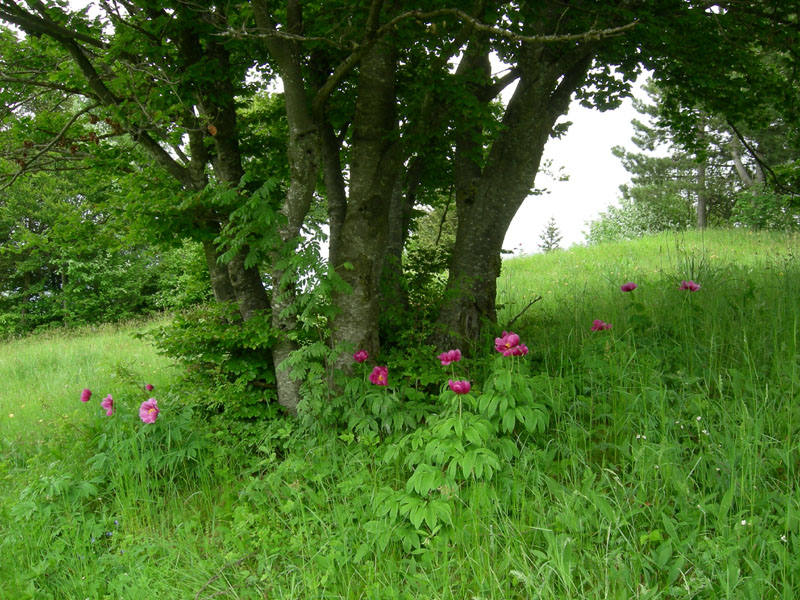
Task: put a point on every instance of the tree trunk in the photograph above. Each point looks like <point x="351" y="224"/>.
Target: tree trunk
<point x="220" y="281"/>
<point x="702" y="197"/>
<point x="487" y="197"/>
<point x="248" y="287"/>
<point x="303" y="155"/>
<point x="373" y="172"/>
<point x="393" y="294"/>
<point x="744" y="176"/>
<point x="334" y="189"/>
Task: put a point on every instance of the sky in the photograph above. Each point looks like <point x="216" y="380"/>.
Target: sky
<point x="595" y="175"/>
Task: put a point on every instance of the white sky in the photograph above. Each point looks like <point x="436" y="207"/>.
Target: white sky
<point x="594" y="177"/>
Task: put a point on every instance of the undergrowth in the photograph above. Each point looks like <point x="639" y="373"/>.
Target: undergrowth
<point x="657" y="458"/>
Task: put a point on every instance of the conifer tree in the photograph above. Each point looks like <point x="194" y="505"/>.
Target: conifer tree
<point x="551" y="236"/>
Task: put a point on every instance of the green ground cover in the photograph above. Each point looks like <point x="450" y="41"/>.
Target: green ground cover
<point x="666" y="467"/>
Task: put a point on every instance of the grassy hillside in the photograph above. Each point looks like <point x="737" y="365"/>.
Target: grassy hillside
<point x="668" y="467"/>
<point x="42" y="372"/>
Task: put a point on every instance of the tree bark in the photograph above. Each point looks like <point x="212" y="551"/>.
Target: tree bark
<point x="303" y="156"/>
<point x="373" y="171"/>
<point x="220" y="281"/>
<point x="744" y="176"/>
<point x="404" y="196"/>
<point x="487" y="198"/>
<point x="702" y="197"/>
<point x="334" y="189"/>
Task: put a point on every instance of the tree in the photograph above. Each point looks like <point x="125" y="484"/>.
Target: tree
<point x="551" y="236"/>
<point x="710" y="178"/>
<point x="65" y="258"/>
<point x="372" y="103"/>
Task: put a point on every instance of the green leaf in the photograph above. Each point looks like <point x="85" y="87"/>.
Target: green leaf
<point x="509" y="421"/>
<point x="468" y="463"/>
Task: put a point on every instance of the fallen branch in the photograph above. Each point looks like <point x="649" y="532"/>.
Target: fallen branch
<point x="522" y="312"/>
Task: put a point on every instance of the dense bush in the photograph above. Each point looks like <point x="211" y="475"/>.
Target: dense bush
<point x="227" y="363"/>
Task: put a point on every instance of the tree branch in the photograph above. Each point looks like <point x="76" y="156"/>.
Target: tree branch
<point x="11" y="12"/>
<point x="47" y="84"/>
<point x="49" y="145"/>
<point x="764" y="166"/>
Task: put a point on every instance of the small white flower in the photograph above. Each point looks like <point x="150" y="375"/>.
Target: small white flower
<point x="699" y="418"/>
<point x="656" y="467"/>
<point x="705" y="431"/>
<point x="783" y="538"/>
<point x="744" y="522"/>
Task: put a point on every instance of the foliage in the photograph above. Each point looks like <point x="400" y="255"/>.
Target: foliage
<point x="63" y="260"/>
<point x="764" y="209"/>
<point x="661" y="462"/>
<point x="550" y="237"/>
<point x="226" y="362"/>
<point x="700" y="178"/>
<point x="182" y="277"/>
<point x="632" y="219"/>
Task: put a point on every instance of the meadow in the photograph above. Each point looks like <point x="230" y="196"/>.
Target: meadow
<point x="659" y="458"/>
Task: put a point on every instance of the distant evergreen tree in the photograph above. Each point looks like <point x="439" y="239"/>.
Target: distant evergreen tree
<point x="713" y="174"/>
<point x="550" y="237"/>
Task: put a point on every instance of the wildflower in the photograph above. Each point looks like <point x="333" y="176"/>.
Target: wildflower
<point x="628" y="287"/>
<point x="86" y="394"/>
<point x="508" y="343"/>
<point x="148" y="411"/>
<point x="450" y="356"/>
<point x="598" y="325"/>
<point x="360" y="356"/>
<point x="149" y="387"/>
<point x="520" y="350"/>
<point x="689" y="286"/>
<point x="379" y="376"/>
<point x="108" y="404"/>
<point x="459" y="387"/>
<point x="744" y="522"/>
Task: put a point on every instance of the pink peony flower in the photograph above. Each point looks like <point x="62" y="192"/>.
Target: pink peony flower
<point x="148" y="411"/>
<point x="520" y="350"/>
<point x="689" y="286"/>
<point x="380" y="376"/>
<point x="86" y="394"/>
<point x="108" y="404"/>
<point x="149" y="387"/>
<point x="628" y="287"/>
<point x="450" y="356"/>
<point x="360" y="356"/>
<point x="506" y="342"/>
<point x="459" y="387"/>
<point x="598" y="325"/>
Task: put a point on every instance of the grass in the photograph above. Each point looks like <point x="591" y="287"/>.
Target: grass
<point x="669" y="467"/>
<point x="44" y="373"/>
